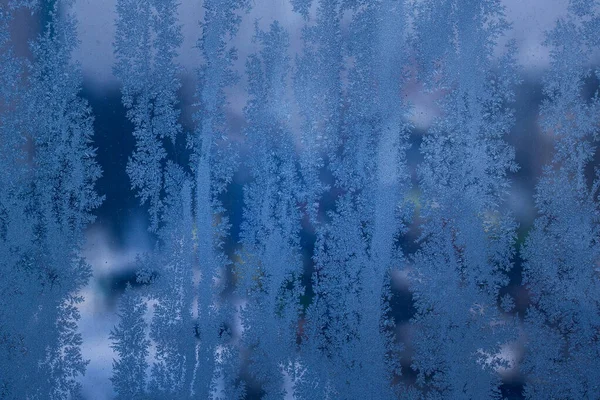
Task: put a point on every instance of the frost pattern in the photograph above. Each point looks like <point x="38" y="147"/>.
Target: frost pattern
<point x="562" y="250"/>
<point x="282" y="229"/>
<point x="467" y="240"/>
<point x="47" y="197"/>
<point x="270" y="264"/>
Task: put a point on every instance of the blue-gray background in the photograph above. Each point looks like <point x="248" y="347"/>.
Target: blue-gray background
<point x="120" y="231"/>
